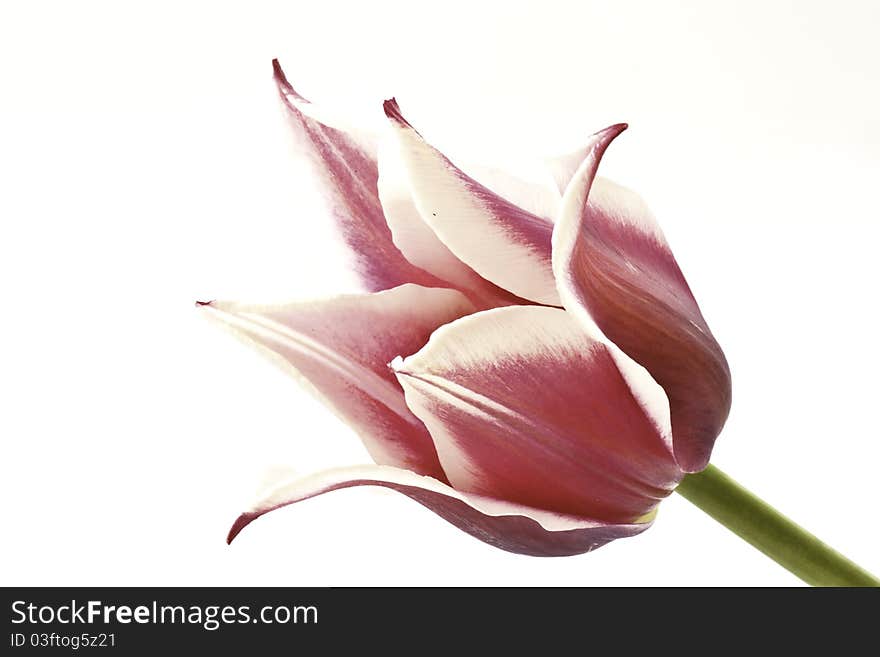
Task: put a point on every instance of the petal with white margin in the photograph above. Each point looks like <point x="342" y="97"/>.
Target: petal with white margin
<point x="340" y="349"/>
<point x="522" y="182"/>
<point x="416" y="239"/>
<point x="525" y="405"/>
<point x="344" y="164"/>
<point x="502" y="242"/>
<point x="614" y="268"/>
<point x="563" y="167"/>
<point x="504" y="525"/>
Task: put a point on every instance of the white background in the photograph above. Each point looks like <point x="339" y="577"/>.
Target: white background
<point x="144" y="163"/>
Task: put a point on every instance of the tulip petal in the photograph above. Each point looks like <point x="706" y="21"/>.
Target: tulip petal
<point x="563" y="167"/>
<point x="502" y="242"/>
<point x="340" y="348"/>
<point x="507" y="526"/>
<point x="344" y="162"/>
<point x="417" y="240"/>
<point x="524" y="405"/>
<point x="523" y="183"/>
<point x="614" y="268"/>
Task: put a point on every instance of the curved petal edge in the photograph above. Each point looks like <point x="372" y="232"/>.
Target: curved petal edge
<point x="416" y="239"/>
<point x="338" y="348"/>
<point x="502" y="242"/>
<point x="614" y="269"/>
<point x="513" y="394"/>
<point x="510" y="527"/>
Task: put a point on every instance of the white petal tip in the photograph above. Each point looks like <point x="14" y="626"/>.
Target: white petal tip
<point x="396" y="365"/>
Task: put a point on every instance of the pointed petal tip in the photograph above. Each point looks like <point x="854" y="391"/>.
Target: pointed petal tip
<point x="563" y="168"/>
<point x="580" y="179"/>
<point x="284" y="86"/>
<point x="200" y="304"/>
<point x="396" y="365"/>
<point x="240" y="523"/>
<point x="278" y="73"/>
<point x="392" y="111"/>
<point x="604" y="137"/>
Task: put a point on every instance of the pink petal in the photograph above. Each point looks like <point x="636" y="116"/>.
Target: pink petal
<point x="615" y="268"/>
<point x="502" y="242"/>
<point x="417" y="241"/>
<point x="511" y="527"/>
<point x="340" y="348"/>
<point x="524" y="405"/>
<point x="345" y="165"/>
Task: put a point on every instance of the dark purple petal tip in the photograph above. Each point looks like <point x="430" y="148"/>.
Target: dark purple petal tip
<point x="284" y="87"/>
<point x="392" y="111"/>
<point x="240" y="523"/>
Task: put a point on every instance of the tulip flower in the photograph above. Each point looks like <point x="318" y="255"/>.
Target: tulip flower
<point x="527" y="360"/>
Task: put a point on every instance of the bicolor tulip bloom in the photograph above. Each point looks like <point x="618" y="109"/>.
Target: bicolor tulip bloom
<point x="527" y="361"/>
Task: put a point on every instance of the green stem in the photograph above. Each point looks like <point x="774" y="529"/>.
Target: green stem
<point x="751" y="519"/>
